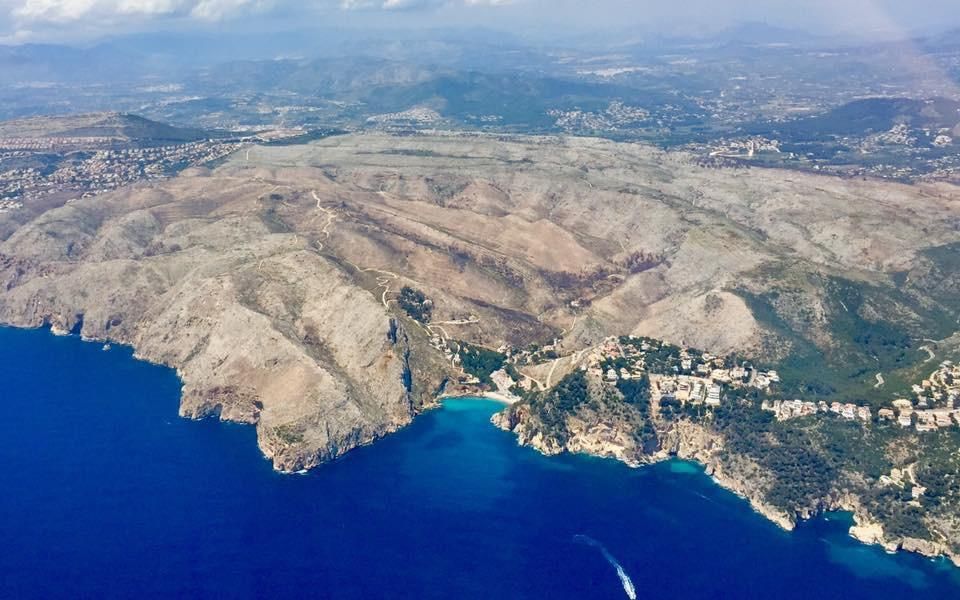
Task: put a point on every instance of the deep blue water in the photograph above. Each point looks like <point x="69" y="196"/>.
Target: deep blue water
<point x="105" y="492"/>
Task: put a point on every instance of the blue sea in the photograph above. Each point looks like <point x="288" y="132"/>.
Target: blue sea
<point x="106" y="493"/>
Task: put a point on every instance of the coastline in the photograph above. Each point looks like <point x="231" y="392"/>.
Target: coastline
<point x="354" y="439"/>
<point x="863" y="530"/>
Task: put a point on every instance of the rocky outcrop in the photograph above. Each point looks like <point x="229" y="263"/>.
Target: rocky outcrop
<point x="872" y="532"/>
<point x="600" y="439"/>
<point x="928" y="548"/>
<point x="518" y="420"/>
<point x="868" y="532"/>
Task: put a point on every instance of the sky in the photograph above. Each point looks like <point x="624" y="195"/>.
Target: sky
<point x="77" y="20"/>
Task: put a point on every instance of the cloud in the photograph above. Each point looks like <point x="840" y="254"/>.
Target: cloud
<point x="387" y="4"/>
<point x="66" y="20"/>
<point x="62" y="11"/>
<point x="416" y="4"/>
<point x="54" y="10"/>
<point x="216" y="10"/>
<point x="62" y="19"/>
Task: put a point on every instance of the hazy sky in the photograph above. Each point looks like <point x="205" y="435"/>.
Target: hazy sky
<point x="66" y="20"/>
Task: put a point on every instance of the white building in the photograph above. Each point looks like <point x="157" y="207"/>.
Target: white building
<point x="713" y="396"/>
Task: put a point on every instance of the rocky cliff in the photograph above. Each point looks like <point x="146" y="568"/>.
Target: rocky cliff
<point x="683" y="440"/>
<point x="261" y="327"/>
<point x="599" y="428"/>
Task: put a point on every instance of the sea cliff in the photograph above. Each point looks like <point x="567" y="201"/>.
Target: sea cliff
<point x="701" y="443"/>
<point x="260" y="327"/>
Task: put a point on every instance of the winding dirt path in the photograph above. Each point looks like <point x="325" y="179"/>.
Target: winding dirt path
<point x="443" y="332"/>
<point x="535" y="380"/>
<point x="331" y="217"/>
<point x="574" y="360"/>
<point x="382" y="282"/>
<point x="564" y="332"/>
<point x="438" y="325"/>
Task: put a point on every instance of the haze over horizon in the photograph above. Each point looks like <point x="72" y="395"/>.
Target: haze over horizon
<point x="71" y="21"/>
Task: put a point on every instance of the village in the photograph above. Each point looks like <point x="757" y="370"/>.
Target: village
<point x="791" y="409"/>
<point x="86" y="174"/>
<point x="690" y="377"/>
<point x="680" y="374"/>
<point x="935" y="405"/>
<point x="685" y="376"/>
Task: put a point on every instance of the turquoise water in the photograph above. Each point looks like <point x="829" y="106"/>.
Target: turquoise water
<point x="106" y="493"/>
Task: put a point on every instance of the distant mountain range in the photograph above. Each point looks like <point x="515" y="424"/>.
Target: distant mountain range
<point x="160" y="54"/>
<point x="143" y="57"/>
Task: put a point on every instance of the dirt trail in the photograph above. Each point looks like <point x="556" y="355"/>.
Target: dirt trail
<point x="443" y="332"/>
<point x="471" y="321"/>
<point x="331" y="216"/>
<point x="572" y="327"/>
<point x="438" y="325"/>
<point x="382" y="282"/>
<point x="573" y="359"/>
<point x="553" y="368"/>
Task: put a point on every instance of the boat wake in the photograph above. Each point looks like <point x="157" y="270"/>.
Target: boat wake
<point x="624" y="578"/>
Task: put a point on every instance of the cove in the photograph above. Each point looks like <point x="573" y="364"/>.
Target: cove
<point x="106" y="493"/>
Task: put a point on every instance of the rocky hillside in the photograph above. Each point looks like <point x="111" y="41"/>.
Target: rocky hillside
<point x="261" y="327"/>
<point x="272" y="282"/>
<point x="592" y="238"/>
